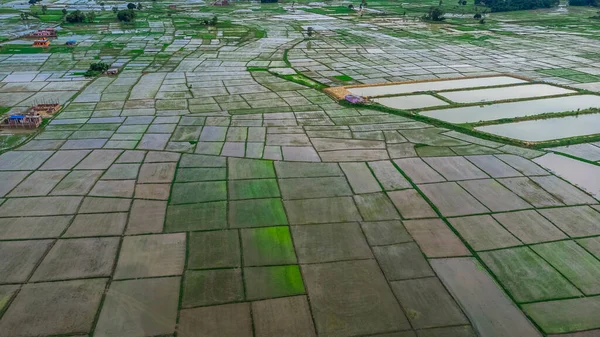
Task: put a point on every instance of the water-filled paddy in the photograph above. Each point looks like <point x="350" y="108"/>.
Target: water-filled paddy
<point x="514" y="109"/>
<point x="410" y="102"/>
<point x="547" y="129"/>
<point x="574" y="171"/>
<point x="399" y="89"/>
<point x="499" y="94"/>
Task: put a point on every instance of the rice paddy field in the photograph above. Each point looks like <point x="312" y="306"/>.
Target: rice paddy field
<point x="219" y="184"/>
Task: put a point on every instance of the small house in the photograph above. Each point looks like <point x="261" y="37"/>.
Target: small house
<point x="112" y="71"/>
<point x="22" y="121"/>
<point x="41" y="43"/>
<point x="171" y="6"/>
<point x="44" y="33"/>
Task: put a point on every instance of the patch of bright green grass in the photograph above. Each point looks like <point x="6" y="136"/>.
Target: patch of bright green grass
<point x="301" y="79"/>
<point x="10" y="141"/>
<point x="343" y="78"/>
<point x="584" y="78"/>
<point x="259" y="34"/>
<point x="26" y="49"/>
<point x="560" y="72"/>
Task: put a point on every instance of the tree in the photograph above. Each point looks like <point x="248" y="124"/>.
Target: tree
<point x="130" y="6"/>
<point x="435" y="14"/>
<point x="139" y="6"/>
<point x="75" y="17"/>
<point x="90" y="16"/>
<point x="115" y="10"/>
<point x="64" y="11"/>
<point x="32" y="2"/>
<point x="99" y="66"/>
<point x="214" y="21"/>
<point x="126" y="15"/>
<point x="96" y="69"/>
<point x="44" y="9"/>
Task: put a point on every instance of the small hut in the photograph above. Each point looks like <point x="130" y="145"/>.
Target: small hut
<point x="71" y="43"/>
<point x="112" y="71"/>
<point x="44" y="42"/>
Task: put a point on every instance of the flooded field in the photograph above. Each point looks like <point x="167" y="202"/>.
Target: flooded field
<point x="505" y="93"/>
<point x="397" y="89"/>
<point x="410" y="102"/>
<point x="497" y="111"/>
<point x="547" y="129"/>
<point x="203" y="178"/>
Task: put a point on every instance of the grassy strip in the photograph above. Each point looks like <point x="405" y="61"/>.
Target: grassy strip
<point x="303" y="80"/>
<point x="285" y="57"/>
<point x="296" y="78"/>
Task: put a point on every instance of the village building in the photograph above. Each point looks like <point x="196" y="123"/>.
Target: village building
<point x="30" y="121"/>
<point x="112" y="71"/>
<point x="41" y="43"/>
<point x="45" y="110"/>
<point x="44" y="33"/>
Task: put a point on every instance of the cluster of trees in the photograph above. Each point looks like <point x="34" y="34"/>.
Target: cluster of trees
<point x="96" y="69"/>
<point x="126" y="15"/>
<point x="435" y="14"/>
<point x="79" y="17"/>
<point x="516" y="5"/>
<point x="584" y="3"/>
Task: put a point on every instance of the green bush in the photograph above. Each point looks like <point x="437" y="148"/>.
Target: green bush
<point x="126" y="15"/>
<point x="96" y="69"/>
<point x="75" y="17"/>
